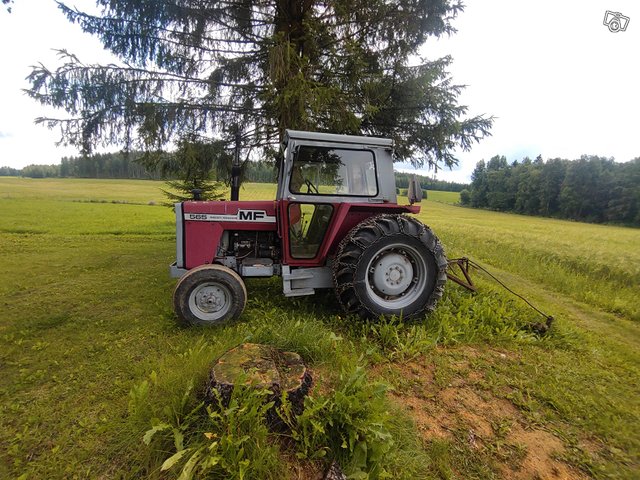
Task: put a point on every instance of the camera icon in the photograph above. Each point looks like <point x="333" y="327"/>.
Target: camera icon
<point x="615" y="21"/>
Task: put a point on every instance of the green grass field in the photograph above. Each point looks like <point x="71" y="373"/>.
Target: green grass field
<point x="91" y="357"/>
<point x="451" y="198"/>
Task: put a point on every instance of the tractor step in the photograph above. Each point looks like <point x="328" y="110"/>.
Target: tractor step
<point x="304" y="281"/>
<point x="298" y="292"/>
<point x="257" y="267"/>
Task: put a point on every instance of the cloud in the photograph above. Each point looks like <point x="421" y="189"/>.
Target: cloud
<point x="5" y="134"/>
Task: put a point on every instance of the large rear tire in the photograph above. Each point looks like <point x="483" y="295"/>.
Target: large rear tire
<point x="209" y="295"/>
<point x="390" y="265"/>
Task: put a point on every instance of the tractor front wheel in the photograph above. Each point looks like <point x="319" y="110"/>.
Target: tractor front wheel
<point x="209" y="295"/>
<point x="390" y="265"/>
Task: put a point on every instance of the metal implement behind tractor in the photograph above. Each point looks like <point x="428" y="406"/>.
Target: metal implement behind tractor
<point x="335" y="223"/>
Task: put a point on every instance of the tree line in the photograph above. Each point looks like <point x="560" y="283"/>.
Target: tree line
<point x="132" y="166"/>
<point x="592" y="189"/>
<point x="129" y="166"/>
<point x="99" y="165"/>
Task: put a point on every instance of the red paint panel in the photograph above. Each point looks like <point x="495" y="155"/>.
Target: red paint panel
<point x="202" y="237"/>
<point x="226" y="207"/>
<point x="201" y="242"/>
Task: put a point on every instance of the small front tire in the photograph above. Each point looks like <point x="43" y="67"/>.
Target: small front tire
<point x="209" y="295"/>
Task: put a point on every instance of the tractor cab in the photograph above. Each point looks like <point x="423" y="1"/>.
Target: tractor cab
<point x="325" y="177"/>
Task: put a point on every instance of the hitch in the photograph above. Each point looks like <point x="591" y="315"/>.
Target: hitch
<point x="463" y="267"/>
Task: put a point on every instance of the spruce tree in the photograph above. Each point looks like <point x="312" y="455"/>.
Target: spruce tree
<point x="206" y="67"/>
<point x="194" y="167"/>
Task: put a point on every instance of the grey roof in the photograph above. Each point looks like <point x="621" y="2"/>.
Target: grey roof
<point x="332" y="137"/>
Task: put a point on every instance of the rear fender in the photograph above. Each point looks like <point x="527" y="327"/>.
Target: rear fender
<point x="350" y="215"/>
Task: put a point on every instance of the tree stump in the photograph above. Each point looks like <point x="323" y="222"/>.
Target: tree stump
<point x="261" y="366"/>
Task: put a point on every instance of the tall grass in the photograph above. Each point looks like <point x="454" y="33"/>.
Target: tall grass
<point x="595" y="264"/>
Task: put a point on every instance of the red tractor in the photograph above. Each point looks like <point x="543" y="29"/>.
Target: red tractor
<point x="335" y="223"/>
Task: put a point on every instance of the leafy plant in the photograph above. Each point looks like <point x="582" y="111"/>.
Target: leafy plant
<point x="226" y="442"/>
<point x="349" y="425"/>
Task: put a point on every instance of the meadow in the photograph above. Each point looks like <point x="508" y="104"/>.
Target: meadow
<point x="97" y="380"/>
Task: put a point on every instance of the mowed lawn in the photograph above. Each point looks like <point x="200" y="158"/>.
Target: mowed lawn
<point x="87" y="323"/>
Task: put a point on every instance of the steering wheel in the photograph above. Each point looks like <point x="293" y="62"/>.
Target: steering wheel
<point x="310" y="186"/>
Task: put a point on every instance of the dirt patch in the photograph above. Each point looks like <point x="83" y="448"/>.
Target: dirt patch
<point x="468" y="415"/>
<point x="539" y="462"/>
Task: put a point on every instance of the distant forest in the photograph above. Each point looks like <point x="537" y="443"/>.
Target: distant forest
<point x="99" y="165"/>
<point x="120" y="165"/>
<point x="591" y="189"/>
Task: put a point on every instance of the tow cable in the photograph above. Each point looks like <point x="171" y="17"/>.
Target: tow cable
<point x="465" y="281"/>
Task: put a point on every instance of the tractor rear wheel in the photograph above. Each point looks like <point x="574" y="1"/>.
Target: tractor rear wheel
<point x="390" y="265"/>
<point x="209" y="295"/>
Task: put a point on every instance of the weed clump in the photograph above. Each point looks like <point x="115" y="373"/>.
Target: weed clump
<point x="349" y="425"/>
<point x="346" y="420"/>
<point x="218" y="441"/>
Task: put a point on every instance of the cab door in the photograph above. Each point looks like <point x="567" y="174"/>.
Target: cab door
<point x="318" y="180"/>
<point x="303" y="230"/>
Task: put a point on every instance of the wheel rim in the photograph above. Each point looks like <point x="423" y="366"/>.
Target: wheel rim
<point x="396" y="276"/>
<point x="210" y="301"/>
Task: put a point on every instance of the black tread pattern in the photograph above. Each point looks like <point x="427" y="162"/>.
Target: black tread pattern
<point x="360" y="238"/>
<point x="205" y="273"/>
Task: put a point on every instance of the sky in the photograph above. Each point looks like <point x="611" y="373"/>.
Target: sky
<point x="557" y="81"/>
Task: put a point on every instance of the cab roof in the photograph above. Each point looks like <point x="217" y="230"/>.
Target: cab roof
<point x="335" y="138"/>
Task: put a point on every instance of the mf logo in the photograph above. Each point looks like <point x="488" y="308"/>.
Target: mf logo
<point x="251" y="215"/>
